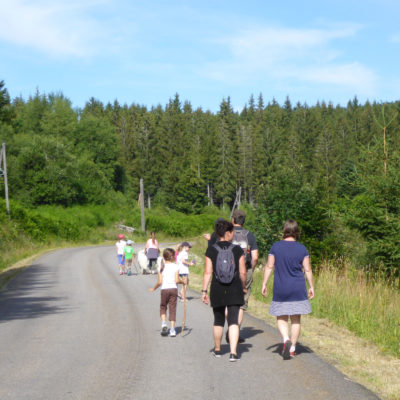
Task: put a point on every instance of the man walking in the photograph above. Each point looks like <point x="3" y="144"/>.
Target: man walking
<point x="247" y="241"/>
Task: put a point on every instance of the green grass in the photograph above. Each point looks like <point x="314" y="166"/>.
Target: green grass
<point x="367" y="306"/>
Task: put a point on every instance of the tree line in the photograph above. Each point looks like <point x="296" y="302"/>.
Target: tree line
<point x="334" y="168"/>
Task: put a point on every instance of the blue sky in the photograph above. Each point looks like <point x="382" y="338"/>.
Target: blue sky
<point x="144" y="52"/>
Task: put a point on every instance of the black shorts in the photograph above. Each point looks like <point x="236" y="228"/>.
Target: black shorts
<point x="233" y="315"/>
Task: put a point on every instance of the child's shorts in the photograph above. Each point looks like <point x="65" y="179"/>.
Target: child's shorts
<point x="120" y="261"/>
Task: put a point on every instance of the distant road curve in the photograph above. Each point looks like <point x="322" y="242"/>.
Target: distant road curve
<point x="72" y="328"/>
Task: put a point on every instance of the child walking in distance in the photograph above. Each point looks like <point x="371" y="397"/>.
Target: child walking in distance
<point x="120" y="246"/>
<point x="184" y="264"/>
<point x="129" y="256"/>
<point x="168" y="279"/>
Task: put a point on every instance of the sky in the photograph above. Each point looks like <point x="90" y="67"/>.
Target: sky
<point x="144" y="52"/>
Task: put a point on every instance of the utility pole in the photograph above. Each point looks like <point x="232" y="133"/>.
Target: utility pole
<point x="142" y="205"/>
<point x="3" y="172"/>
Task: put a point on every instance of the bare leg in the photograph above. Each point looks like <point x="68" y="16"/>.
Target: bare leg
<point x="163" y="317"/>
<point x="283" y="326"/>
<point x="172" y="324"/>
<point x="218" y="331"/>
<point x="233" y="338"/>
<point x="295" y="328"/>
<point x="241" y="313"/>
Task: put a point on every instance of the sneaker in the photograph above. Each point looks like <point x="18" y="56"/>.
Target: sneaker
<point x="293" y="354"/>
<point x="286" y="350"/>
<point x="164" y="330"/>
<point x="216" y="353"/>
<point x="233" y="358"/>
<point x="120" y="272"/>
<point x="172" y="332"/>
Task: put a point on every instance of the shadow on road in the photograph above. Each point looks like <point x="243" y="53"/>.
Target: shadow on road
<point x="278" y="348"/>
<point x="248" y="332"/>
<point x="20" y="299"/>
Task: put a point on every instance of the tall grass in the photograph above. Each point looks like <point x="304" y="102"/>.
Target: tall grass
<point x="366" y="304"/>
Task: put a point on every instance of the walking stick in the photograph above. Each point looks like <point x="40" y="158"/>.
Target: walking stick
<point x="184" y="307"/>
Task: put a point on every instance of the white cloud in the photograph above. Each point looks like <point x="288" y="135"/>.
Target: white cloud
<point x="55" y="28"/>
<point x="304" y="55"/>
<point x="395" y="38"/>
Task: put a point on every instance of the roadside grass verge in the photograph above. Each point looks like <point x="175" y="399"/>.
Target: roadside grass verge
<point x="355" y="323"/>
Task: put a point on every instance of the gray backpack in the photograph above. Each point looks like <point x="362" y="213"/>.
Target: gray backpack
<point x="225" y="264"/>
<point x="240" y="238"/>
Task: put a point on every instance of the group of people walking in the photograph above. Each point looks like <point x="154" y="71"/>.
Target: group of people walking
<point x="229" y="295"/>
<point x="230" y="260"/>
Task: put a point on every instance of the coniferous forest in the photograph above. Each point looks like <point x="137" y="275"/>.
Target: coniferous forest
<point x="336" y="169"/>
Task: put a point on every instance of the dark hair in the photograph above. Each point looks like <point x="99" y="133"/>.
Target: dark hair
<point x="291" y="229"/>
<point x="239" y="217"/>
<point x="168" y="255"/>
<point x="221" y="227"/>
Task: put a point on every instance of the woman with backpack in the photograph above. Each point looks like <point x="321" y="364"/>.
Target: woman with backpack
<point x="225" y="267"/>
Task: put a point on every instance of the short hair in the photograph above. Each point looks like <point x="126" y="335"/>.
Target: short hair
<point x="291" y="229"/>
<point x="221" y="227"/>
<point x="239" y="217"/>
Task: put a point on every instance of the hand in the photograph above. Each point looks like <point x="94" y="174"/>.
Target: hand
<point x="264" y="290"/>
<point x="244" y="290"/>
<point x="151" y="290"/>
<point x="311" y="293"/>
<point x="207" y="236"/>
<point x="204" y="298"/>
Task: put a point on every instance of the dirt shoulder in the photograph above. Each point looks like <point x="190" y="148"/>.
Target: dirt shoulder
<point x="358" y="359"/>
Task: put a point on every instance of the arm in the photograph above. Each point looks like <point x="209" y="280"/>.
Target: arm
<point x="309" y="276"/>
<point x="207" y="236"/>
<point x="254" y="259"/>
<point x="269" y="267"/>
<point x="206" y="279"/>
<point x="178" y="280"/>
<point x="158" y="284"/>
<point x="187" y="263"/>
<point x="242" y="272"/>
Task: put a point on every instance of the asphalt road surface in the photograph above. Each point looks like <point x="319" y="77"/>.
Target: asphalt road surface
<point x="72" y="328"/>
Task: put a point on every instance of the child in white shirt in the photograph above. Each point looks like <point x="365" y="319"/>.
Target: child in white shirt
<point x="168" y="279"/>
<point x="184" y="264"/>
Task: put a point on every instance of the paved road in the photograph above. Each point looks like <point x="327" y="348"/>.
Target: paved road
<point x="72" y="328"/>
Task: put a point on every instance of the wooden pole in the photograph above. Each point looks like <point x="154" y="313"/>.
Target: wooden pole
<point x="184" y="307"/>
<point x="142" y="205"/>
<point x="3" y="157"/>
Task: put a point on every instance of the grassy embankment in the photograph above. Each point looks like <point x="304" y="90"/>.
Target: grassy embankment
<point x="354" y="324"/>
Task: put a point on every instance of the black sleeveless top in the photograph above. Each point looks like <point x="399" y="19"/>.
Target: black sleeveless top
<point x="226" y="295"/>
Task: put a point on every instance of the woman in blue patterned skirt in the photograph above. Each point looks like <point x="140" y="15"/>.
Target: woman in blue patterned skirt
<point x="289" y="258"/>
